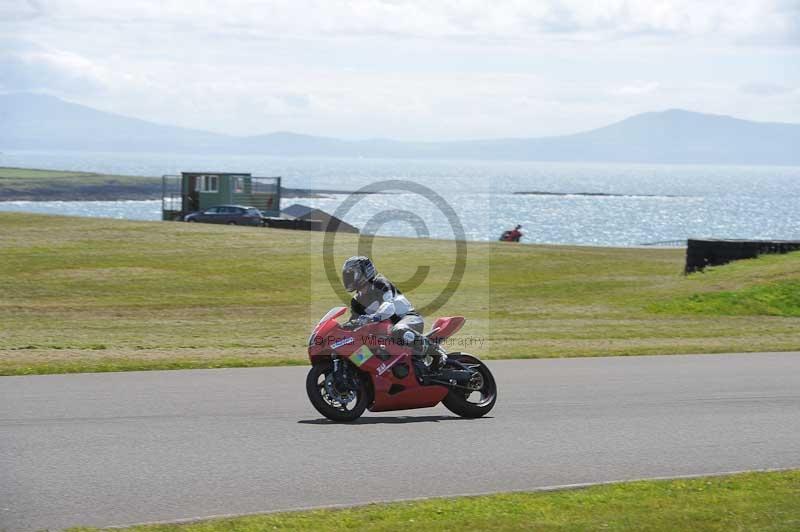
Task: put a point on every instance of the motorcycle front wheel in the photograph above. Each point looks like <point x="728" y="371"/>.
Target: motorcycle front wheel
<point x="478" y="401"/>
<point x="340" y="406"/>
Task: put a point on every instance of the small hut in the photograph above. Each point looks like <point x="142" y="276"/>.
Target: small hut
<point x="195" y="191"/>
<point x="303" y="212"/>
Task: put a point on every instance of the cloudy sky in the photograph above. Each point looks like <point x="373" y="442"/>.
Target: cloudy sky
<point x="416" y="69"/>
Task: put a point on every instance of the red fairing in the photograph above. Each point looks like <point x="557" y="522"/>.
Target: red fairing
<point x="323" y="329"/>
<point x="447" y="327"/>
<point x="372" y="350"/>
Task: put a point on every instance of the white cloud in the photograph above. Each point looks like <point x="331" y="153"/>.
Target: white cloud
<point x="637" y="88"/>
<point x="27" y="66"/>
<point x="766" y="89"/>
<point x="11" y="11"/>
<point x="768" y="20"/>
<point x="413" y="69"/>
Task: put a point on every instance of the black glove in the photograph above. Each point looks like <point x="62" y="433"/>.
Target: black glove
<point x="360" y="321"/>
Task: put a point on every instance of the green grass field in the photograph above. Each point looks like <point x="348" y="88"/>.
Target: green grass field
<point x="752" y="501"/>
<point x="32" y="184"/>
<point x="80" y="294"/>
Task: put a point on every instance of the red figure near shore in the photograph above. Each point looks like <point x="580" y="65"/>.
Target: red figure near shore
<point x="512" y="236"/>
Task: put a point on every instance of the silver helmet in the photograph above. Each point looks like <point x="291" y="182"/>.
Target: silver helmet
<point x="357" y="272"/>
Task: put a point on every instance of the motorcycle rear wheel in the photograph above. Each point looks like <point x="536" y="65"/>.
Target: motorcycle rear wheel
<point x="328" y="406"/>
<point x="472" y="404"/>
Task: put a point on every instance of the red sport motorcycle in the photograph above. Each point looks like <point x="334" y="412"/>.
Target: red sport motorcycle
<point x="354" y="368"/>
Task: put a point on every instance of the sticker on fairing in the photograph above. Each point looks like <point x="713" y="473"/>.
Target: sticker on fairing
<point x="361" y="356"/>
<point x="344" y="341"/>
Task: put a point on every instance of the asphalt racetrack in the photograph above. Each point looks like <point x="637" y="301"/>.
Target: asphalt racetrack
<point x="122" y="448"/>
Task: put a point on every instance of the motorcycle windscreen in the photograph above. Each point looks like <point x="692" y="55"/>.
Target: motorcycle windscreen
<point x="333" y="313"/>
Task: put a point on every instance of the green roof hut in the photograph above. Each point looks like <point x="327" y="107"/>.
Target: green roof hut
<point x="195" y="191"/>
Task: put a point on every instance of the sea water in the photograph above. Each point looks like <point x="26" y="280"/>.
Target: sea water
<point x="641" y="204"/>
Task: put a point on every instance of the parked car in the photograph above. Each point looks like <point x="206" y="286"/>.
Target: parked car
<point x="227" y="214"/>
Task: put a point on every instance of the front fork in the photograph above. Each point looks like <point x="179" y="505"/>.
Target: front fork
<point x="343" y="375"/>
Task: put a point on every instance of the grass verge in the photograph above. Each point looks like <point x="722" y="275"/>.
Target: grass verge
<point x="776" y="299"/>
<point x="750" y="501"/>
<point x="81" y="294"/>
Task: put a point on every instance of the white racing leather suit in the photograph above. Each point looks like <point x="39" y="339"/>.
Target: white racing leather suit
<point x="381" y="300"/>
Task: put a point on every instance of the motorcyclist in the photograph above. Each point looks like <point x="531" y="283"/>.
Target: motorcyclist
<point x="377" y="299"/>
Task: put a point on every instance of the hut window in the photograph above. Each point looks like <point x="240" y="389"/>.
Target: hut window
<point x="238" y="186"/>
<point x="210" y="183"/>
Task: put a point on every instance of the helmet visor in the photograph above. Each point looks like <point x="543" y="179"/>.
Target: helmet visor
<point x="349" y="278"/>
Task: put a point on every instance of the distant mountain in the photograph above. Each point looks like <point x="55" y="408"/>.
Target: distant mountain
<point x="33" y="121"/>
<point x="677" y="136"/>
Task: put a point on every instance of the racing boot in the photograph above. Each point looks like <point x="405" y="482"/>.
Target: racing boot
<point x="427" y="355"/>
<point x="419" y="345"/>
